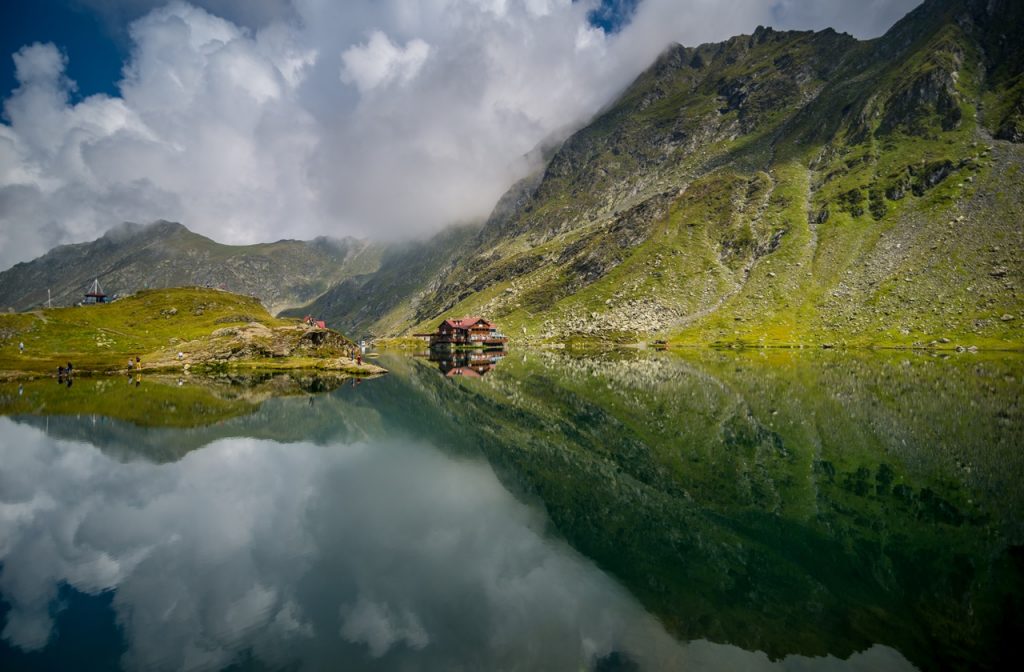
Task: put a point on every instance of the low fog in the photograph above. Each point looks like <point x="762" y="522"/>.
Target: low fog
<point x="255" y="121"/>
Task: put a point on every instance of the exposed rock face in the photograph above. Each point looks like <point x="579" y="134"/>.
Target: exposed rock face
<point x="258" y="341"/>
<point x="130" y="258"/>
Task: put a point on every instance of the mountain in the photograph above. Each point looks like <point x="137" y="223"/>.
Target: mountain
<point x="779" y="188"/>
<point x="384" y="301"/>
<point x="133" y="257"/>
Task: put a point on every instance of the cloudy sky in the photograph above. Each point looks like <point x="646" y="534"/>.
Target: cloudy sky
<point x="255" y="120"/>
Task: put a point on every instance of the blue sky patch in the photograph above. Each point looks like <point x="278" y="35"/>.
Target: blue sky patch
<point x="612" y="15"/>
<point x="95" y="59"/>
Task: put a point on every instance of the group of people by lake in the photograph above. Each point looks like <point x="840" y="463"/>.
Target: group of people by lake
<point x="64" y="374"/>
<point x="136" y="366"/>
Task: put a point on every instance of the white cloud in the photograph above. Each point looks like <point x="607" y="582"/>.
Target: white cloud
<point x="380" y="62"/>
<point x="372" y="118"/>
<point x="379" y="627"/>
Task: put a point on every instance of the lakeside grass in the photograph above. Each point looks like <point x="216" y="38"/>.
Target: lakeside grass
<point x="154" y="325"/>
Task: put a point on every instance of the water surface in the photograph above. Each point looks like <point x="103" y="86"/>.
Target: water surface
<point x="767" y="510"/>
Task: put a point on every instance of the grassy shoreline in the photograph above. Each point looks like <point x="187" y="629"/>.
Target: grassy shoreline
<point x="401" y="344"/>
<point x="170" y="331"/>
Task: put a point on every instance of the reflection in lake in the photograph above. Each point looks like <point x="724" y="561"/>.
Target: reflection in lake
<point x="621" y="511"/>
<point x="377" y="552"/>
<point x="466" y="363"/>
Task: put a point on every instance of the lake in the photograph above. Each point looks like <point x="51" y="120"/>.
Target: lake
<point x="629" y="510"/>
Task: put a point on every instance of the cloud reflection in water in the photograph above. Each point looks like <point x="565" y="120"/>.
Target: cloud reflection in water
<point x="383" y="555"/>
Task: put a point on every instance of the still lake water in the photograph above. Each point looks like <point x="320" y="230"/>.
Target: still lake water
<point x="629" y="511"/>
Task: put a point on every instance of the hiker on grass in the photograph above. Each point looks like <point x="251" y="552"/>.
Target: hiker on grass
<point x="131" y="364"/>
<point x="21" y="348"/>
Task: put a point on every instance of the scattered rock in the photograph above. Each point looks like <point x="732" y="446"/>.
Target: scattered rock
<point x="1007" y="318"/>
<point x="231" y="319"/>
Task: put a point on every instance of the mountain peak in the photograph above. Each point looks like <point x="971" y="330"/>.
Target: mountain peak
<point x="127" y="230"/>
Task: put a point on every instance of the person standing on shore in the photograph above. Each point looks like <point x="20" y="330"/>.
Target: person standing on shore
<point x="21" y="348"/>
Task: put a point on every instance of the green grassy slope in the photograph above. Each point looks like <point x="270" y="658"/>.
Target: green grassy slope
<point x="788" y="188"/>
<point x="210" y="327"/>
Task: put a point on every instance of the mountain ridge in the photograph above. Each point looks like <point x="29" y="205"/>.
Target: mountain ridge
<point x="132" y="257"/>
<point x="779" y="188"/>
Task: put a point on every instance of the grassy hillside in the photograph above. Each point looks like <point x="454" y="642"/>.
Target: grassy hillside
<point x="211" y="328"/>
<point x="782" y="188"/>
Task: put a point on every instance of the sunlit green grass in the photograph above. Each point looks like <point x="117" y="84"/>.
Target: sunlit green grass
<point x="101" y="337"/>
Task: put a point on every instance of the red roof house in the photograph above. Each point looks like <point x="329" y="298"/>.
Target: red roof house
<point x="469" y="331"/>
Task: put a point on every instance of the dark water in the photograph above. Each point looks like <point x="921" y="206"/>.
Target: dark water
<point x="626" y="511"/>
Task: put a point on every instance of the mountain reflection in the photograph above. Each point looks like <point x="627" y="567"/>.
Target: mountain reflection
<point x="385" y="555"/>
<point x="817" y="507"/>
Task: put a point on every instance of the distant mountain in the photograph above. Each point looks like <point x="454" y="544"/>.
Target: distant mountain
<point x="389" y="299"/>
<point x="775" y="188"/>
<point x="133" y="257"/>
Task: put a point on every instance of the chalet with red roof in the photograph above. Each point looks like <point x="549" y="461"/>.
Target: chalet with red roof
<point x="469" y="332"/>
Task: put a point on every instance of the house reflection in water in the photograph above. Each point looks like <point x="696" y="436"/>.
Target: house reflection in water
<point x="466" y="363"/>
